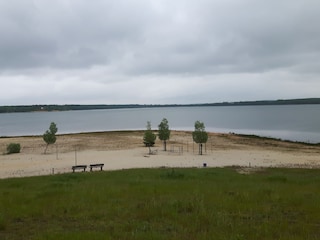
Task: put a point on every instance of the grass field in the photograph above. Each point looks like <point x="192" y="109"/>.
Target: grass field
<point x="207" y="203"/>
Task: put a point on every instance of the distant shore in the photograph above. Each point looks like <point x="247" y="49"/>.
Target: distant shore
<point x="125" y="149"/>
<point x="69" y="107"/>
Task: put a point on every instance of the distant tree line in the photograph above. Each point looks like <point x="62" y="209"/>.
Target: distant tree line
<point x="49" y="108"/>
<point x="36" y="108"/>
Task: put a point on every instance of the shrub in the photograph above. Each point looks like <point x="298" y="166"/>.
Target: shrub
<point x="13" y="148"/>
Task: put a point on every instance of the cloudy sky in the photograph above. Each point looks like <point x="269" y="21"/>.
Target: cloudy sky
<point x="158" y="51"/>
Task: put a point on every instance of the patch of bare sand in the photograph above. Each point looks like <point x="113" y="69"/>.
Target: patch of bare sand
<point x="124" y="149"/>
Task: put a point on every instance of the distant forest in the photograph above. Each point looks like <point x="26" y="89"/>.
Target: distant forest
<point x="46" y="108"/>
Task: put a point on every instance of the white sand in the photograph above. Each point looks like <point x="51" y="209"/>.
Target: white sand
<point x="33" y="164"/>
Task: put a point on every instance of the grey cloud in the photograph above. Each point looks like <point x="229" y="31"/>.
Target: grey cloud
<point x="241" y="40"/>
<point x="209" y="37"/>
<point x="127" y="44"/>
<point x="54" y="34"/>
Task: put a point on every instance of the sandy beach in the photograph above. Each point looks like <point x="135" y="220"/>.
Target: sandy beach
<point x="125" y="149"/>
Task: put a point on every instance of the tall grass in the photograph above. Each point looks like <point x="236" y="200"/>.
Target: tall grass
<point x="163" y="204"/>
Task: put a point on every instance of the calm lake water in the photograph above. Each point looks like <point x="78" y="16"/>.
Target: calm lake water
<point x="291" y="122"/>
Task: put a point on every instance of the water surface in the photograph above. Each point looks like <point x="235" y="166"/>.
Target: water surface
<point x="292" y="122"/>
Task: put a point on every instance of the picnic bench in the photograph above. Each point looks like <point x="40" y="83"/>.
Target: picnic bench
<point x="98" y="165"/>
<point x="84" y="167"/>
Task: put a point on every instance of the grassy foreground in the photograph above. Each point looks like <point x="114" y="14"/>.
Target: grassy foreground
<point x="208" y="203"/>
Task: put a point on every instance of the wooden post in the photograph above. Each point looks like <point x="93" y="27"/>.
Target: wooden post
<point x="57" y="152"/>
<point x="193" y="147"/>
<point x="75" y="156"/>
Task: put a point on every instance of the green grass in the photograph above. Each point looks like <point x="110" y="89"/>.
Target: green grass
<point x="208" y="203"/>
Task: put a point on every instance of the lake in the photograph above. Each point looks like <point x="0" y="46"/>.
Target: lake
<point x="290" y="122"/>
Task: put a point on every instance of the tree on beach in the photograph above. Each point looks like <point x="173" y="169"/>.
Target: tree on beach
<point x="164" y="132"/>
<point x="50" y="135"/>
<point x="149" y="137"/>
<point x="199" y="135"/>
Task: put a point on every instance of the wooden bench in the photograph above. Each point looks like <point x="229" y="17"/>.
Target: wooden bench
<point x="98" y="165"/>
<point x="84" y="167"/>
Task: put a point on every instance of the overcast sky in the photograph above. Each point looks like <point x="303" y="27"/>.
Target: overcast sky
<point x="158" y="51"/>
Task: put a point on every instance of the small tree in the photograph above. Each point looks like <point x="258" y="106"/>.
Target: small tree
<point x="164" y="132"/>
<point x="149" y="137"/>
<point x="199" y="135"/>
<point x="50" y="135"/>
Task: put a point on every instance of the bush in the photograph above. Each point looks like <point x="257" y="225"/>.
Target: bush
<point x="13" y="148"/>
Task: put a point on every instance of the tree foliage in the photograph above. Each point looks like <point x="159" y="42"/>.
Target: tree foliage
<point x="199" y="135"/>
<point x="50" y="135"/>
<point x="149" y="137"/>
<point x="164" y="132"/>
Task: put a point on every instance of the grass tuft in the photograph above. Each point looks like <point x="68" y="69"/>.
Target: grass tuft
<point x="3" y="224"/>
<point x="173" y="174"/>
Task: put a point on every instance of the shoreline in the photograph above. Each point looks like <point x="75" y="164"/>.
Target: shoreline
<point x="76" y="107"/>
<point x="243" y="135"/>
<point x="125" y="149"/>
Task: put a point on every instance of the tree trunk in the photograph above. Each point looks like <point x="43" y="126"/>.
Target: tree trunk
<point x="45" y="150"/>
<point x="165" y="145"/>
<point x="200" y="148"/>
<point x="149" y="149"/>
